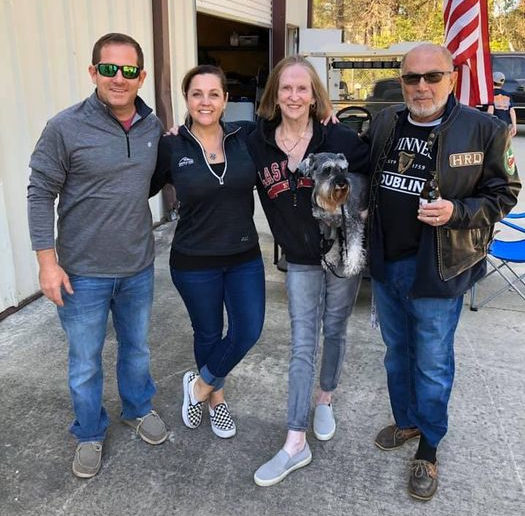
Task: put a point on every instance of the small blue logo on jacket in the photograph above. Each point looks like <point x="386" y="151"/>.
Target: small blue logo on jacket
<point x="185" y="161"/>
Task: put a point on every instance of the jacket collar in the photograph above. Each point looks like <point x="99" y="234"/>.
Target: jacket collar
<point x="228" y="128"/>
<point x="143" y="110"/>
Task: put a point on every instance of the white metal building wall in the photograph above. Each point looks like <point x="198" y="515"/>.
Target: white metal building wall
<point x="257" y="12"/>
<point x="183" y="50"/>
<point x="45" y="52"/>
<point x="297" y="13"/>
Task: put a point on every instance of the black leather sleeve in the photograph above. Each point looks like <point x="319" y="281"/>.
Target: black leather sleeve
<point x="496" y="190"/>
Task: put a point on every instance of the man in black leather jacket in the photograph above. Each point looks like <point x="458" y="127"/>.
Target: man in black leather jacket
<point x="424" y="257"/>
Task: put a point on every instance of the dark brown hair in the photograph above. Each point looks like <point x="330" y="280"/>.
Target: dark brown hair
<point x="201" y="70"/>
<point x="268" y="108"/>
<point x="116" y="38"/>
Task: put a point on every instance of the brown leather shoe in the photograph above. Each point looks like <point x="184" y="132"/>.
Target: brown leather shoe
<point x="392" y="437"/>
<point x="423" y="480"/>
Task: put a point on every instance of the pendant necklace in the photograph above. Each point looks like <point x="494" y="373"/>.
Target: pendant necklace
<point x="288" y="150"/>
<point x="212" y="156"/>
<point x="292" y="179"/>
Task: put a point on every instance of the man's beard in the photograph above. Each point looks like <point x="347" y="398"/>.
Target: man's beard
<point x="424" y="112"/>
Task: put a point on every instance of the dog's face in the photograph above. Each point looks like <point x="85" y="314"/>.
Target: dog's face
<point x="330" y="175"/>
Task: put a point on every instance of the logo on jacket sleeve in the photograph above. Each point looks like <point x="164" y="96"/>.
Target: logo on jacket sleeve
<point x="185" y="161"/>
<point x="465" y="159"/>
<point x="510" y="161"/>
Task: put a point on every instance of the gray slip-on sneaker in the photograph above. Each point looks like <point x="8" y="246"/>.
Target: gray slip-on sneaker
<point x="150" y="427"/>
<point x="88" y="458"/>
<point x="324" y="422"/>
<point x="281" y="465"/>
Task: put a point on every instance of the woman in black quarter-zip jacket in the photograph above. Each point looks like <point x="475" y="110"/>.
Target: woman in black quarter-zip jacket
<point x="215" y="258"/>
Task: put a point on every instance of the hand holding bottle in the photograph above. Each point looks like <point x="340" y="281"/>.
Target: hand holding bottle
<point x="433" y="210"/>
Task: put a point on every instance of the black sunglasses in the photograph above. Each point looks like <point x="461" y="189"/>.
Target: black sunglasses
<point x="430" y="77"/>
<point x="110" y="70"/>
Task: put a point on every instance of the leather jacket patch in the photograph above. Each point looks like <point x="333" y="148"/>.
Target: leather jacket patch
<point x="510" y="161"/>
<point x="464" y="159"/>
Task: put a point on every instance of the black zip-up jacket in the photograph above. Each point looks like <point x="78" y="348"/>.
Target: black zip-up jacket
<point x="287" y="200"/>
<point x="474" y="172"/>
<point x="216" y="211"/>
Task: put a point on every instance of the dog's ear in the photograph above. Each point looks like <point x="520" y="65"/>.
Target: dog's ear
<point x="305" y="167"/>
<point x="342" y="158"/>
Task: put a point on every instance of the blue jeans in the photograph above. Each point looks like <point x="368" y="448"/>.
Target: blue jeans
<point x="419" y="359"/>
<point x="315" y="297"/>
<point x="239" y="288"/>
<point x="84" y="319"/>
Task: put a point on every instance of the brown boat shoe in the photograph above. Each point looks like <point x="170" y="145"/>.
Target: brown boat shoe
<point x="423" y="480"/>
<point x="392" y="437"/>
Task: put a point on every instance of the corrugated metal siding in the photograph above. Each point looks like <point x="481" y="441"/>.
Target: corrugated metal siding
<point x="46" y="49"/>
<point x="258" y="12"/>
<point x="7" y="272"/>
<point x="183" y="51"/>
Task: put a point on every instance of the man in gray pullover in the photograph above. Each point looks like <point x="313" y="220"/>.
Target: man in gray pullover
<point x="98" y="157"/>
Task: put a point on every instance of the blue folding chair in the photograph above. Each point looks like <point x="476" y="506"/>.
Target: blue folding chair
<point x="502" y="254"/>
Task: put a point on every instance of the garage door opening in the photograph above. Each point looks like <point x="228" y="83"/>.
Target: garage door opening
<point x="243" y="52"/>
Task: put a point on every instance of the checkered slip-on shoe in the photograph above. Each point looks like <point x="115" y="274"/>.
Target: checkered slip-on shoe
<point x="221" y="421"/>
<point x="191" y="412"/>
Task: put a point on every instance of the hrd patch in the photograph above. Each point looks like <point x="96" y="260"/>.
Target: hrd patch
<point x="465" y="159"/>
<point x="510" y="161"/>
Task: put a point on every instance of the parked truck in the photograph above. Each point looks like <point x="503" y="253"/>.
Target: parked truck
<point x="357" y="76"/>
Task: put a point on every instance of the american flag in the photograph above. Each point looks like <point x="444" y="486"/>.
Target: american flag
<point x="467" y="38"/>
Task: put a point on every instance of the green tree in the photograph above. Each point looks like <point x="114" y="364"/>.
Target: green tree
<point x="379" y="23"/>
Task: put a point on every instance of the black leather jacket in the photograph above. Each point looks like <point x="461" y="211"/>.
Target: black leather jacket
<point x="474" y="172"/>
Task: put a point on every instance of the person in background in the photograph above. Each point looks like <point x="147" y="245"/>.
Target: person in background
<point x="503" y="107"/>
<point x="98" y="156"/>
<point x="215" y="258"/>
<point x="423" y="258"/>
<point x="289" y="130"/>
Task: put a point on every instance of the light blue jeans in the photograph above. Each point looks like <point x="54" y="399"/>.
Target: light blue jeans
<point x="419" y="359"/>
<point x="316" y="298"/>
<point x="84" y="319"/>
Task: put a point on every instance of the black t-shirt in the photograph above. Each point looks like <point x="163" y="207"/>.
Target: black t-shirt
<point x="408" y="166"/>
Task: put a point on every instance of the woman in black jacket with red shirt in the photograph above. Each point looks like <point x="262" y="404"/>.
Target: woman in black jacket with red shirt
<point x="293" y="102"/>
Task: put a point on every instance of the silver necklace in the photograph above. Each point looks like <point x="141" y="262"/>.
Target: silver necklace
<point x="288" y="150"/>
<point x="212" y="156"/>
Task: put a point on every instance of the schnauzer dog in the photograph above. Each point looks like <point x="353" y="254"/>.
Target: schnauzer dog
<point x="339" y="203"/>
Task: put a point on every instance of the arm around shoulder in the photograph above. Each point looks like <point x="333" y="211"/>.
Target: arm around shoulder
<point x="162" y="174"/>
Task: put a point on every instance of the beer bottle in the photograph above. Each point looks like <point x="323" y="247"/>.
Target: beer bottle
<point x="430" y="192"/>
